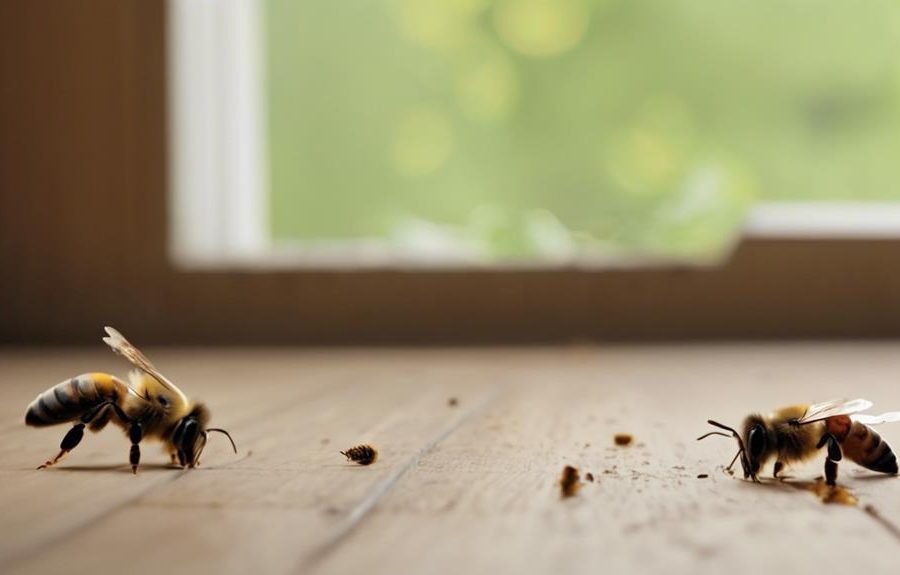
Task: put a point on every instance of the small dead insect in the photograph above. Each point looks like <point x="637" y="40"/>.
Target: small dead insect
<point x="796" y="433"/>
<point x="623" y="439"/>
<point x="570" y="482"/>
<point x="703" y="476"/>
<point x="452" y="402"/>
<point x="589" y="477"/>
<point x="362" y="454"/>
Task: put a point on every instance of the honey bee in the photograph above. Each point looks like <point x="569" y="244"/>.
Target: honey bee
<point x="796" y="433"/>
<point x="362" y="454"/>
<point x="149" y="405"/>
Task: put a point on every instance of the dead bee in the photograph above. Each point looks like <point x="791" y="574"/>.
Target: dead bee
<point x="362" y="454"/>
<point x="622" y="439"/>
<point x="570" y="482"/>
<point x="148" y="406"/>
<point x="796" y="433"/>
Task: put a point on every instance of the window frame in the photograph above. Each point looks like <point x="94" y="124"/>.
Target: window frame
<point x="218" y="178"/>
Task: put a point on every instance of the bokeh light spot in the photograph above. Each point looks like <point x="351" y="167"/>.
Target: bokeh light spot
<point x="487" y="88"/>
<point x="641" y="161"/>
<point x="422" y="143"/>
<point x="541" y="27"/>
<point x="440" y="25"/>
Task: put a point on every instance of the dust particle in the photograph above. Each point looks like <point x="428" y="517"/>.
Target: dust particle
<point x="589" y="477"/>
<point x="623" y="439"/>
<point x="702" y="476"/>
<point x="570" y="482"/>
<point x="452" y="402"/>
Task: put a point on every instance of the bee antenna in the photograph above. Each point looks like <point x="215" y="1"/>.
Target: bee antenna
<point x="742" y="451"/>
<point x="705" y="435"/>
<point x="721" y="426"/>
<point x="226" y="434"/>
<point x="736" y="455"/>
<point x="734" y="433"/>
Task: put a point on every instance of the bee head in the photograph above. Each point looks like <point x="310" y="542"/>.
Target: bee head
<point x="756" y="440"/>
<point x="190" y="435"/>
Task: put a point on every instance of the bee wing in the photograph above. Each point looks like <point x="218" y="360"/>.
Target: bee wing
<point x="868" y="419"/>
<point x="826" y="409"/>
<point x="123" y="347"/>
<point x="136" y="385"/>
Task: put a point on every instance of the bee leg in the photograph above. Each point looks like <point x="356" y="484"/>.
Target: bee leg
<point x="123" y="417"/>
<point x="69" y="442"/>
<point x="99" y="420"/>
<point x="135" y="433"/>
<point x="173" y="458"/>
<point x="779" y="466"/>
<point x="95" y="418"/>
<point x="834" y="455"/>
<point x="831" y="469"/>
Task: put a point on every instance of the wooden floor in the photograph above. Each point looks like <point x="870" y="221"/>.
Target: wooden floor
<point x="470" y="488"/>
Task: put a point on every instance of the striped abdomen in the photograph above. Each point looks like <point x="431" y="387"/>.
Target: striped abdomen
<point x="74" y="398"/>
<point x="864" y="446"/>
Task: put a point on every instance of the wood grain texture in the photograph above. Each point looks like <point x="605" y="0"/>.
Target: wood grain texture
<point x="457" y="489"/>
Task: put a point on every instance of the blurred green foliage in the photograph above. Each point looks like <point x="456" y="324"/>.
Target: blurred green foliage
<point x="505" y="129"/>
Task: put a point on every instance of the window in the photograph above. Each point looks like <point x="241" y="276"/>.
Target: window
<point x="819" y="266"/>
<point x="473" y="132"/>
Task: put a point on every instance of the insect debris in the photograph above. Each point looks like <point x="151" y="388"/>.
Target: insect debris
<point x="623" y="439"/>
<point x="570" y="482"/>
<point x="361" y="454"/>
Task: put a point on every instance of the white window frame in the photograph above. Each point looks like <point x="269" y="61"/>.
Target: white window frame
<point x="218" y="177"/>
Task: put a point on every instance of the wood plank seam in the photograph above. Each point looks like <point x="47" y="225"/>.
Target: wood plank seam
<point x="34" y="548"/>
<point x="358" y="514"/>
<point x="882" y="521"/>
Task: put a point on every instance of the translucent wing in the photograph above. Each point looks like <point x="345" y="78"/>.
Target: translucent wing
<point x="137" y="391"/>
<point x="826" y="409"/>
<point x="869" y="419"/>
<point x="122" y="347"/>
